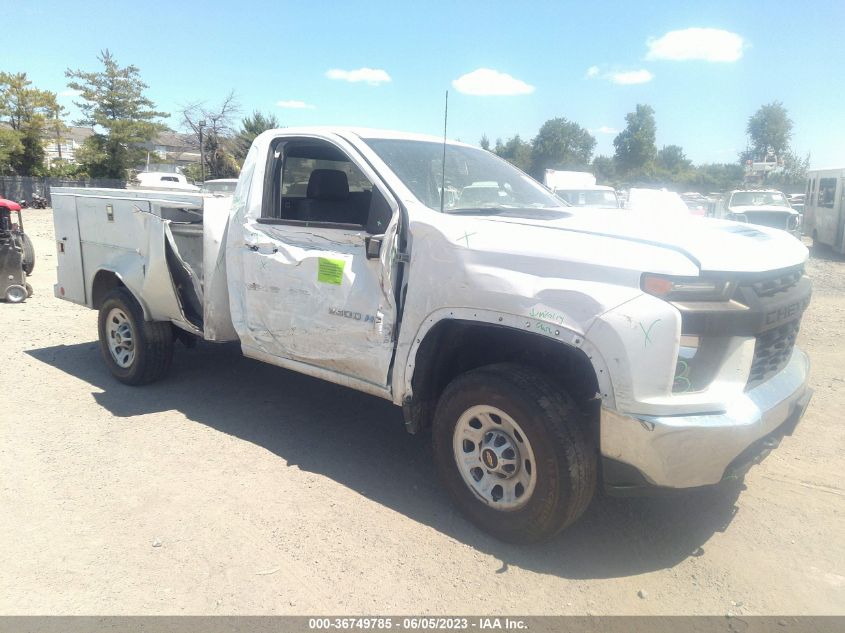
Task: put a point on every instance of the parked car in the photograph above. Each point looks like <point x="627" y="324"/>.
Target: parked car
<point x="593" y="196"/>
<point x="764" y="207"/>
<point x="220" y="186"/>
<point x="656" y="202"/>
<point x="548" y="352"/>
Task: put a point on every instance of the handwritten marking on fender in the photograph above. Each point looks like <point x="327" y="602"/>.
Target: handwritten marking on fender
<point x="466" y="237"/>
<point x="647" y="332"/>
<point x="547" y="315"/>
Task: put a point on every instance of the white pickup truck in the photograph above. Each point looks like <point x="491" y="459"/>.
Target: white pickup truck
<point x="550" y="351"/>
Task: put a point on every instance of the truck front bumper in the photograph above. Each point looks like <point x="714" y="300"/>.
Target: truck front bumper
<point x="687" y="451"/>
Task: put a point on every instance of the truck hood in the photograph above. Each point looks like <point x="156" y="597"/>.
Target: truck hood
<point x="764" y="208"/>
<point x="712" y="245"/>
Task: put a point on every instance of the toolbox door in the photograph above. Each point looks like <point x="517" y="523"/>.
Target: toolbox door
<point x="70" y="279"/>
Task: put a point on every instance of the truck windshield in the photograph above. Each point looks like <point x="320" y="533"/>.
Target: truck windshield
<point x="758" y="198"/>
<point x="476" y="181"/>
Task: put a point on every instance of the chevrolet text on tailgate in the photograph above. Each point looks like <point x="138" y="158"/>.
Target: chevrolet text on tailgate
<point x="546" y="348"/>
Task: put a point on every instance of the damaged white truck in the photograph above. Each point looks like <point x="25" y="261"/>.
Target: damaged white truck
<point x="550" y="351"/>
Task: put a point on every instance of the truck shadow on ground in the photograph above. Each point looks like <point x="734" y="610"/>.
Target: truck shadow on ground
<point x="359" y="441"/>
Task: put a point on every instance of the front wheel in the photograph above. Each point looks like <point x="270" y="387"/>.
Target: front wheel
<point x="16" y="293"/>
<point x="513" y="452"/>
<point x="136" y="351"/>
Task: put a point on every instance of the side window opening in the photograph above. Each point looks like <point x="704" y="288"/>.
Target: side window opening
<point x="316" y="182"/>
<point x="827" y="192"/>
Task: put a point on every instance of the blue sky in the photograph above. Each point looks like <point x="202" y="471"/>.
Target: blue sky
<point x="412" y="52"/>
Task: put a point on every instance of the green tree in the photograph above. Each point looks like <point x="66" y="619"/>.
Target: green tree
<point x="54" y="126"/>
<point x="251" y="127"/>
<point x="713" y="177"/>
<point x="561" y="144"/>
<point x="672" y="159"/>
<point x="25" y="110"/>
<point x="484" y="142"/>
<point x="768" y="128"/>
<point x="635" y="148"/>
<point x="10" y="146"/>
<point x="604" y="169"/>
<point x="515" y="151"/>
<point x="113" y="103"/>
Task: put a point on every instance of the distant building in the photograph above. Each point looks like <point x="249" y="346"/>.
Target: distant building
<point x="65" y="147"/>
<point x="172" y="148"/>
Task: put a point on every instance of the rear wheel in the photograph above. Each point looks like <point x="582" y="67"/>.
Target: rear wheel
<point x="512" y="451"/>
<point x="136" y="351"/>
<point x="28" y="249"/>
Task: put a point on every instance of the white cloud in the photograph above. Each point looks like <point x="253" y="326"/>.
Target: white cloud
<point x="70" y="92"/>
<point x="489" y="82"/>
<point x="629" y="77"/>
<point x="593" y="71"/>
<point x="712" y="45"/>
<point x="295" y="104"/>
<point x="372" y="76"/>
<point x="604" y="129"/>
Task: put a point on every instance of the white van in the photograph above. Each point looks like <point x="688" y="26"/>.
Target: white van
<point x="164" y="180"/>
<point x="824" y="207"/>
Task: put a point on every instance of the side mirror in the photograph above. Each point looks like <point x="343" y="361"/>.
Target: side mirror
<point x="372" y="245"/>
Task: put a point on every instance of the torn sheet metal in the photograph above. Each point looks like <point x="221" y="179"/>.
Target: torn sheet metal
<point x="311" y="295"/>
<point x="217" y="316"/>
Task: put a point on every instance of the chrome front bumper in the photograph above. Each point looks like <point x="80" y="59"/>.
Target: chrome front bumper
<point x="696" y="450"/>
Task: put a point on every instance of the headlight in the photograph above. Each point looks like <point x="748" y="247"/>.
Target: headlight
<point x="687" y="288"/>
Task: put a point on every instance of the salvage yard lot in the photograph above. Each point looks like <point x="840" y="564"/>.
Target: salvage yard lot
<point x="238" y="488"/>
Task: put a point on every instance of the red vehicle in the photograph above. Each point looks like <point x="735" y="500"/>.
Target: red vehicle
<point x="17" y="256"/>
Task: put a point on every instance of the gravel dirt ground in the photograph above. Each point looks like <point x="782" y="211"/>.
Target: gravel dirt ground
<point x="238" y="488"/>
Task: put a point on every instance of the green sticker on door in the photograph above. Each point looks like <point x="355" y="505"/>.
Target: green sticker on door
<point x="330" y="271"/>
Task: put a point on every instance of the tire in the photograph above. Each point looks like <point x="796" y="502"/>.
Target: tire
<point x="137" y="352"/>
<point x="16" y="294"/>
<point x="535" y="419"/>
<point x="28" y="249"/>
<point x="29" y="290"/>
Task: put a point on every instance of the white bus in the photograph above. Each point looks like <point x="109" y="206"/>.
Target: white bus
<point x="824" y="207"/>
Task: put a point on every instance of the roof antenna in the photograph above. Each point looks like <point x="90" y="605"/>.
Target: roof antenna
<point x="443" y="174"/>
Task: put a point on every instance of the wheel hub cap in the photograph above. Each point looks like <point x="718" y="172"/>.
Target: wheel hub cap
<point x="500" y="454"/>
<point x="494" y="457"/>
<point x="120" y="338"/>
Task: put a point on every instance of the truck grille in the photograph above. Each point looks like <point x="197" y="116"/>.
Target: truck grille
<point x="774" y="346"/>
<point x="773" y="219"/>
<point x="781" y="282"/>
<point x="773" y="351"/>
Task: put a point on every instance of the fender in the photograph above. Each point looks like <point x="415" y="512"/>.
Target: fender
<point x="403" y="388"/>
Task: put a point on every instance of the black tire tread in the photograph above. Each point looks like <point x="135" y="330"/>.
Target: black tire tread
<point x="566" y="423"/>
<point x="153" y="347"/>
<point x="28" y="254"/>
